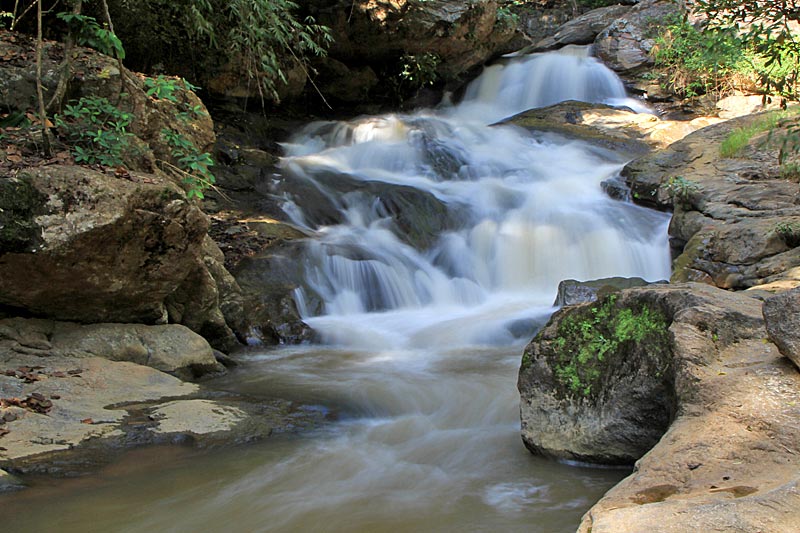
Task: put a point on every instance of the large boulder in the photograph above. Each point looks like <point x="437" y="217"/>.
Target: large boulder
<point x="583" y="29"/>
<point x="711" y="397"/>
<point x="782" y="316"/>
<point x="736" y="219"/>
<point x="626" y="43"/>
<point x="84" y="245"/>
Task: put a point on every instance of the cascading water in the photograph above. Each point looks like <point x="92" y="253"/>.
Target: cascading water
<point x="440" y="244"/>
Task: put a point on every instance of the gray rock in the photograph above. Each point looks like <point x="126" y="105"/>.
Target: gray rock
<point x="170" y="348"/>
<point x="573" y="292"/>
<point x="782" y="317"/>
<point x="626" y="43"/>
<point x="725" y="456"/>
<point x="583" y="29"/>
<point x="9" y="482"/>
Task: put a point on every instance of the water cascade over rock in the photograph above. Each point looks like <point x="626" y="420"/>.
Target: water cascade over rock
<point x="493" y="217"/>
<point x="439" y="244"/>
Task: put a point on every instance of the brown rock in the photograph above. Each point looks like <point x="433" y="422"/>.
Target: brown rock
<point x="83" y="245"/>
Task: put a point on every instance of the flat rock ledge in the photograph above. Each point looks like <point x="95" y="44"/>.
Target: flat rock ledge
<point x="72" y="397"/>
<point x="719" y="402"/>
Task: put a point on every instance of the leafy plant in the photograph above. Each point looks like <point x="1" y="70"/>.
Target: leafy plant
<point x="770" y="34"/>
<point x="681" y="190"/>
<point x="789" y="232"/>
<point x="419" y="70"/>
<point x="89" y="33"/>
<point x="96" y="131"/>
<point x="195" y="166"/>
<point x="586" y="340"/>
<point x="263" y="34"/>
<point x="698" y="61"/>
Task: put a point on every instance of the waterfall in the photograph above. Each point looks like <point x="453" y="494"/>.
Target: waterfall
<point x="448" y="230"/>
<point x="440" y="244"/>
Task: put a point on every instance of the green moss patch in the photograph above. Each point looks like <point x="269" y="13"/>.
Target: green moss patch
<point x="20" y="202"/>
<point x="587" y="341"/>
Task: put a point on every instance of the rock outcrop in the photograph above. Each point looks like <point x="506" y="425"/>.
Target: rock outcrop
<point x="583" y="29"/>
<point x="73" y="397"/>
<point x="782" y="317"/>
<point x="626" y="43"/>
<point x="725" y="461"/>
<point x="735" y="219"/>
<point x="121" y="245"/>
<point x="84" y="245"/>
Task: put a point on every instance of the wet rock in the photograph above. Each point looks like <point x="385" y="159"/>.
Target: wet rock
<point x="782" y="316"/>
<point x="626" y="43"/>
<point x="733" y="217"/>
<point x="573" y="292"/>
<point x="626" y="133"/>
<point x="210" y="301"/>
<point x="269" y="281"/>
<point x="9" y="482"/>
<point x="66" y="412"/>
<point x="723" y="455"/>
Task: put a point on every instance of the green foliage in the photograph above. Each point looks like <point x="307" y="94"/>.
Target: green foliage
<point x="96" y="130"/>
<point x="586" y="340"/>
<point x="195" y="166"/>
<point x="263" y="34"/>
<point x="770" y="34"/>
<point x="682" y="190"/>
<point x="89" y="33"/>
<point x="505" y="17"/>
<point x="698" y="62"/>
<point x="740" y="137"/>
<point x="419" y="70"/>
<point x="789" y="232"/>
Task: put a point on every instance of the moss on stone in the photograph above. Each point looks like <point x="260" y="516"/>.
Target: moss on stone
<point x="590" y="338"/>
<point x="20" y="202"/>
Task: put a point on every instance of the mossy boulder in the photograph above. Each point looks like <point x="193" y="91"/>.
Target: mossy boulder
<point x="604" y="380"/>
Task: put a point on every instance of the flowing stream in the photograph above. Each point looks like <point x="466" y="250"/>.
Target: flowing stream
<point x="440" y="245"/>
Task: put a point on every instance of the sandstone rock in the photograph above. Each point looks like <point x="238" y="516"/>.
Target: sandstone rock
<point x="80" y="402"/>
<point x="169" y="348"/>
<point x="67" y="411"/>
<point x="583" y="29"/>
<point x="626" y="43"/>
<point x="196" y="416"/>
<point x="87" y="246"/>
<point x="627" y="133"/>
<point x="726" y="462"/>
<point x="733" y="216"/>
<point x="782" y="317"/>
